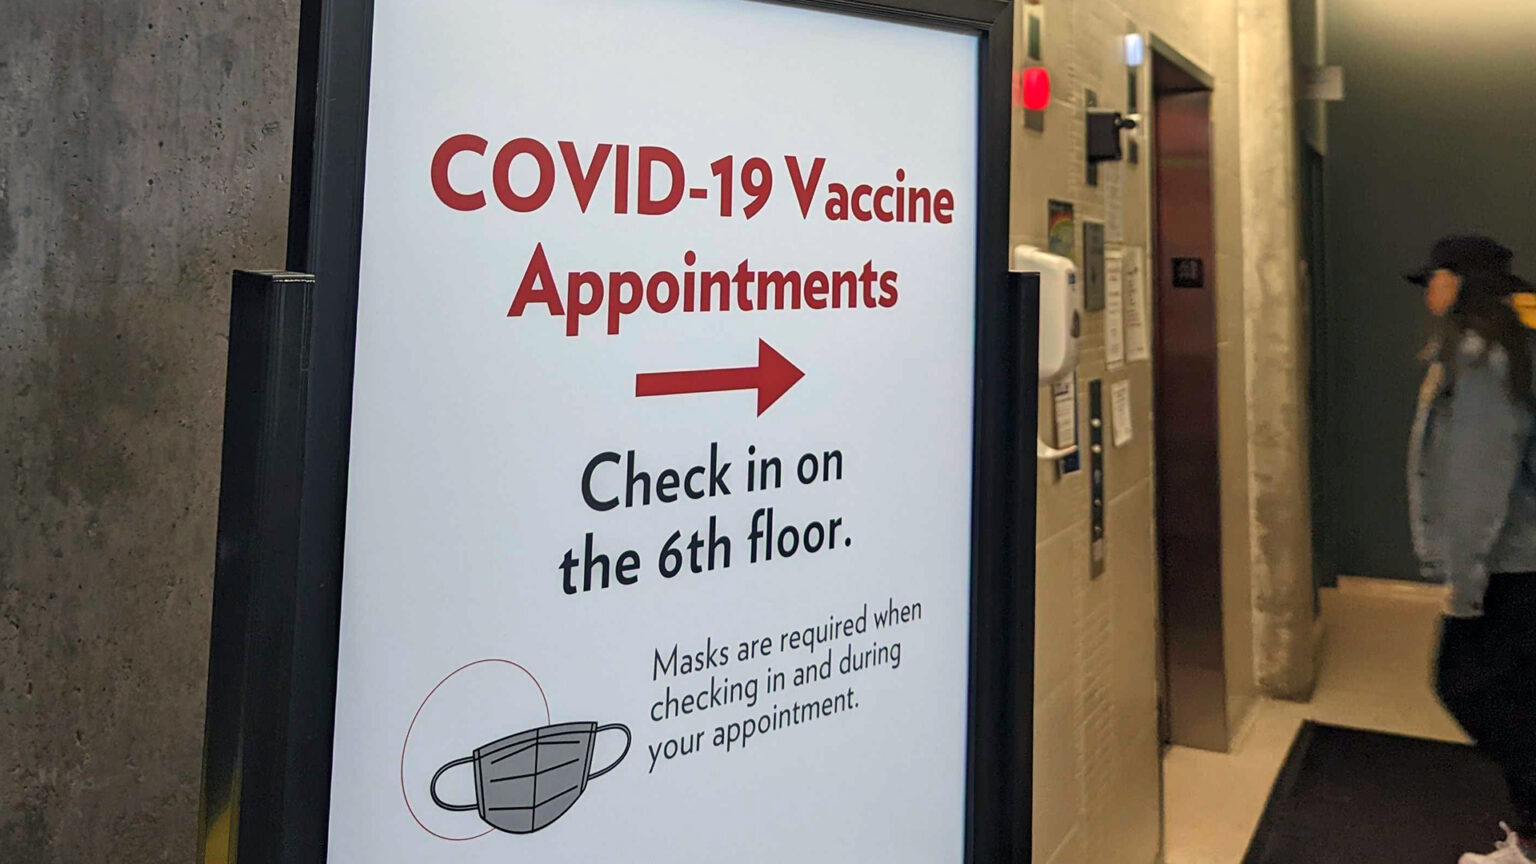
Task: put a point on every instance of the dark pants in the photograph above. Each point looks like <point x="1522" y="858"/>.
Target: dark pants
<point x="1486" y="677"/>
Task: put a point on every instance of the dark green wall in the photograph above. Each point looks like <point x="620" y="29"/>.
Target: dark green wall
<point x="1437" y="134"/>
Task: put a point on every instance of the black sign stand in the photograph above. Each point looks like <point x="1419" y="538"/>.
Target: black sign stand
<point x="282" y="508"/>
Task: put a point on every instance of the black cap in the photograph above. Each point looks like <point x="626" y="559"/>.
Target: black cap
<point x="1472" y="256"/>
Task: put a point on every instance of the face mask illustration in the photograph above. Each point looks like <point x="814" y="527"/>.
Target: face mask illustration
<point x="526" y="781"/>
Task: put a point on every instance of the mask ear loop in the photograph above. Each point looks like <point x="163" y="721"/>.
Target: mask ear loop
<point x="620" y="727"/>
<point x="443" y="770"/>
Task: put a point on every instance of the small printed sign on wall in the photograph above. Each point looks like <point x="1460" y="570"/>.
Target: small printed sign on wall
<point x="1061" y="228"/>
<point x="1137" y="340"/>
<point x="1114" y="309"/>
<point x="1189" y="272"/>
<point x="1120" y="408"/>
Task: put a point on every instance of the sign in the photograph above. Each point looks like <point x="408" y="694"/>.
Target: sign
<point x="1093" y="266"/>
<point x="1320" y="83"/>
<point x="1114" y="308"/>
<point x="1138" y="345"/>
<point x="1112" y="178"/>
<point x="1064" y="407"/>
<point x="762" y="537"/>
<point x="1120" y="399"/>
<point x="677" y="433"/>
<point x="1061" y="229"/>
<point x="1189" y="273"/>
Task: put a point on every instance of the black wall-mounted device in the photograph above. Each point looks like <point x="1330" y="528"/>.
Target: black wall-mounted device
<point x="1104" y="129"/>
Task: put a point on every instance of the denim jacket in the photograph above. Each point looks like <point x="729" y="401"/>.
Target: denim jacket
<point x="1472" y="477"/>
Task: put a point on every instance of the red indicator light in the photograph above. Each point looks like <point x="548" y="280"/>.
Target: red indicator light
<point x="1034" y="89"/>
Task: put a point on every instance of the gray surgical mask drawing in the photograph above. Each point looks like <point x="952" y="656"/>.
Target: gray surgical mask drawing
<point x="524" y="782"/>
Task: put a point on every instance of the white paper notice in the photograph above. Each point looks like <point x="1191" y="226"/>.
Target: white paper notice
<point x="1111" y="178"/>
<point x="1120" y="405"/>
<point x="1064" y="400"/>
<point x="1114" y="309"/>
<point x="1135" y="278"/>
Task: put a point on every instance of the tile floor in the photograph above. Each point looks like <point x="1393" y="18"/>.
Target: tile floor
<point x="1378" y="646"/>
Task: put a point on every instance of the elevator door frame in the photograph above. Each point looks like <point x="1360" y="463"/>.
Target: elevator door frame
<point x="1191" y="689"/>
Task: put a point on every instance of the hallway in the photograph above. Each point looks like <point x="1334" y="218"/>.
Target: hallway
<point x="1375" y="674"/>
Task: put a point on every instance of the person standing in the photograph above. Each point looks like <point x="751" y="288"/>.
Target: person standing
<point x="1472" y="500"/>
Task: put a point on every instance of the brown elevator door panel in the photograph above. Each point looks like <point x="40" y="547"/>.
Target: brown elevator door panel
<point x="1188" y="476"/>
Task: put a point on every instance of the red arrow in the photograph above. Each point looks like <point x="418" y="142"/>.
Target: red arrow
<point x="771" y="378"/>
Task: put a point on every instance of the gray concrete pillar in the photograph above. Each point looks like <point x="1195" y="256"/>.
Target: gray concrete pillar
<point x="1286" y="632"/>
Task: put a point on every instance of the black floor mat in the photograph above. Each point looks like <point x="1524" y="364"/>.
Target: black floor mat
<point x="1350" y="797"/>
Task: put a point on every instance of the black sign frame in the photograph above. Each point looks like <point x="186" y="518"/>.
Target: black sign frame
<point x="282" y="513"/>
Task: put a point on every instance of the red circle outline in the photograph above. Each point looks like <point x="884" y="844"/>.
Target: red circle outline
<point x="548" y="718"/>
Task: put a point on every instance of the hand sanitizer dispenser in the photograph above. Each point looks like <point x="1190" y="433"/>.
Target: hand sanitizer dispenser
<point x="1061" y="322"/>
<point x="1061" y="310"/>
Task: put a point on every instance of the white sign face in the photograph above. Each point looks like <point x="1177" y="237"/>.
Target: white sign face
<point x="1137" y="339"/>
<point x="1114" y="306"/>
<point x="661" y="438"/>
<point x="1120" y="400"/>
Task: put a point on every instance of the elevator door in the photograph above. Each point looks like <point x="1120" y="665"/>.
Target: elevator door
<point x="1188" y="477"/>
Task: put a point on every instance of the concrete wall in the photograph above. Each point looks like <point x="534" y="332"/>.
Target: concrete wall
<point x="1097" y="774"/>
<point x="1434" y="136"/>
<point x="146" y="154"/>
